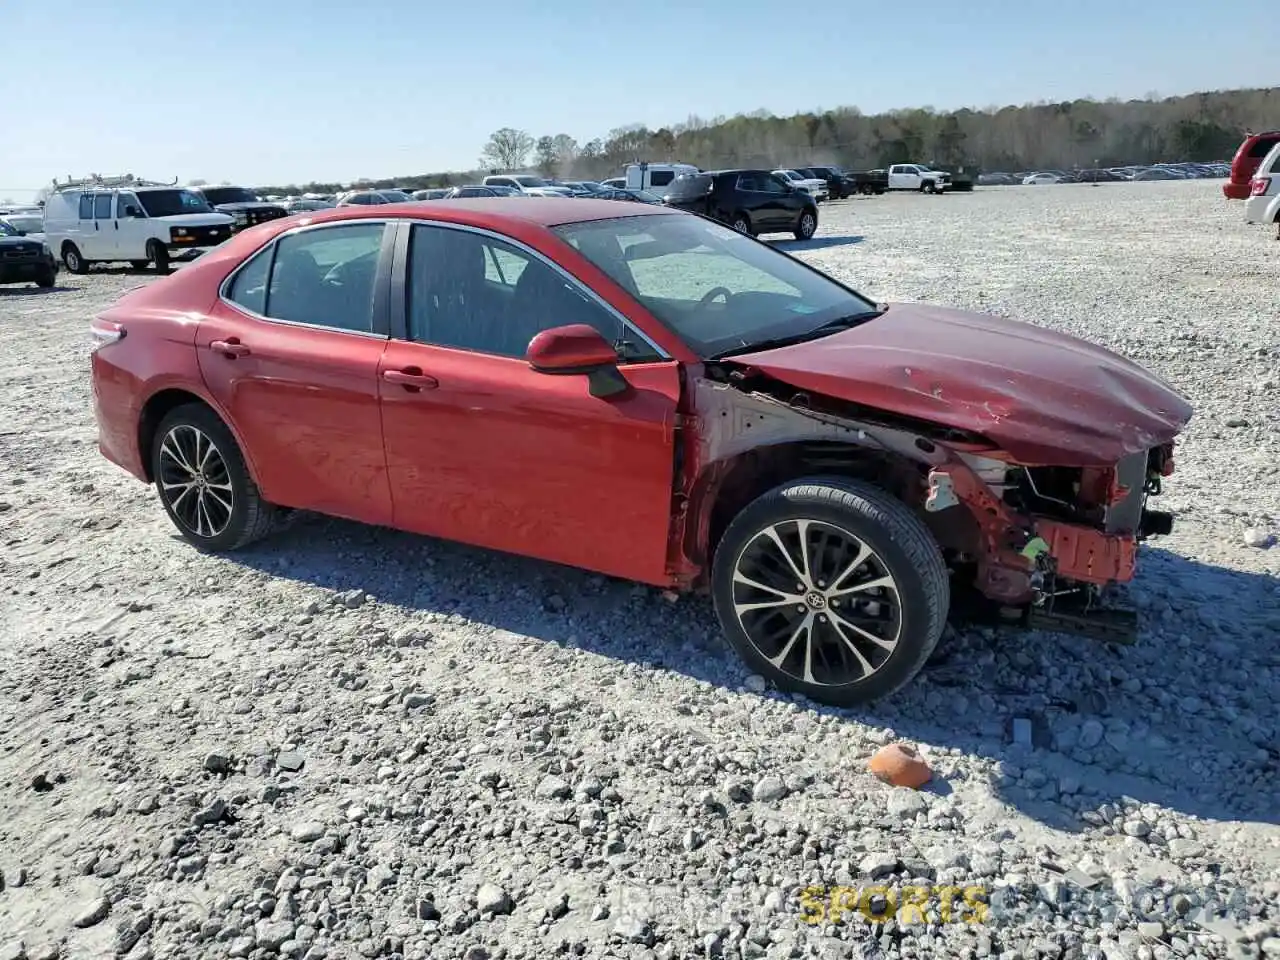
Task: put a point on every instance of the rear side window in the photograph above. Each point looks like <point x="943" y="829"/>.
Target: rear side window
<point x="660" y="178"/>
<point x="689" y="187"/>
<point x="323" y="277"/>
<point x="1261" y="147"/>
<point x="86" y="206"/>
<point x="102" y="206"/>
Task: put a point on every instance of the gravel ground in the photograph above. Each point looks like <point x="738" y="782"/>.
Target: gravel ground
<point x="349" y="742"/>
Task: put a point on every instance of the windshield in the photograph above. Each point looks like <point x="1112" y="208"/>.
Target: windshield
<point x="172" y="203"/>
<point x="395" y="196"/>
<point x="530" y="181"/>
<point x="689" y="187"/>
<point x="229" y="195"/>
<point x="503" y="191"/>
<point x="719" y="291"/>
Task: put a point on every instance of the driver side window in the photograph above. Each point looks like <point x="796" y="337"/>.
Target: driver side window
<point x="322" y="277"/>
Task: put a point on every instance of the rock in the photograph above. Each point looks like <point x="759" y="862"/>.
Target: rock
<point x="1151" y="930"/>
<point x="240" y="947"/>
<point x="901" y="765"/>
<point x="217" y="763"/>
<point x="491" y="898"/>
<point x="381" y="877"/>
<point x="13" y="950"/>
<point x="416" y="699"/>
<point x="1020" y="731"/>
<point x="876" y="865"/>
<point x="93" y="913"/>
<point x="553" y="788"/>
<point x="307" y="831"/>
<point x="557" y="906"/>
<point x="290" y="761"/>
<point x="351" y="598"/>
<point x="1257" y="537"/>
<point x="215" y="811"/>
<point x="1270" y="947"/>
<point x="427" y="910"/>
<point x="633" y="930"/>
<point x="1091" y="733"/>
<point x="1182" y="849"/>
<point x="271" y="934"/>
<point x="755" y="684"/>
<point x="1136" y="828"/>
<point x="904" y="803"/>
<point x="769" y="789"/>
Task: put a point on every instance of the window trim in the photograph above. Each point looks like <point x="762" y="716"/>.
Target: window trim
<point x="381" y="280"/>
<point x="399" y="306"/>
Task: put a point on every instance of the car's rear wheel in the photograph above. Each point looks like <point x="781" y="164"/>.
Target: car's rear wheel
<point x="807" y="225"/>
<point x="158" y="254"/>
<point x="74" y="259"/>
<point x="203" y="482"/>
<point x="742" y="223"/>
<point x="831" y="588"/>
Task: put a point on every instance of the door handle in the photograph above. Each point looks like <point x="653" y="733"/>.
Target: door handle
<point x="411" y="378"/>
<point x="231" y="348"/>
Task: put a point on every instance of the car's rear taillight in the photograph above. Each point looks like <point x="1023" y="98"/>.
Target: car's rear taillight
<point x="1259" y="185"/>
<point x="105" y="332"/>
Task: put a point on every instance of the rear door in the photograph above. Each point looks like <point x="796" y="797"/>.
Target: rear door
<point x="97" y="229"/>
<point x="291" y="354"/>
<point x="485" y="450"/>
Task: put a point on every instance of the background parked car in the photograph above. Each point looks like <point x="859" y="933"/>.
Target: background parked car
<point x="750" y="201"/>
<point x="481" y="190"/>
<point x="435" y="193"/>
<point x="242" y="205"/>
<point x="305" y="205"/>
<point x="816" y="187"/>
<point x="1263" y="205"/>
<point x="528" y="184"/>
<point x="372" y="197"/>
<point x="25" y="259"/>
<point x="1245" y="163"/>
<point x="634" y="196"/>
<point x="27" y="221"/>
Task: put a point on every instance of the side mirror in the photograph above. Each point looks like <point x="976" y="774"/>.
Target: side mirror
<point x="578" y="349"/>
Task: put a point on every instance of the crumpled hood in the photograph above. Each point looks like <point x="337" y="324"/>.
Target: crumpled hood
<point x="1045" y="397"/>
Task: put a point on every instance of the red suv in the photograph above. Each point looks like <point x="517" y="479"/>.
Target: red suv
<point x="648" y="394"/>
<point x="1245" y="163"/>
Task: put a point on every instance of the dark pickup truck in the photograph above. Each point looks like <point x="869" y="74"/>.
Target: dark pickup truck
<point x="242" y="205"/>
<point x="843" y="184"/>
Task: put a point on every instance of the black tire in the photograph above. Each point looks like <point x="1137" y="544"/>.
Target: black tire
<point x="158" y="254"/>
<point x="902" y="547"/>
<point x="47" y="278"/>
<point x="73" y="259"/>
<point x="250" y="517"/>
<point x="928" y="187"/>
<point x="139" y="264"/>
<point x="807" y="224"/>
<point x="742" y="223"/>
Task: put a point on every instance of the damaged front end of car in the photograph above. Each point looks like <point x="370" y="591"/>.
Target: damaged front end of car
<point x="1055" y="542"/>
<point x="1042" y="545"/>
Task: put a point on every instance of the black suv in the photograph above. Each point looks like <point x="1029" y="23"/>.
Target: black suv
<point x="242" y="205"/>
<point x="750" y="201"/>
<point x="23" y="260"/>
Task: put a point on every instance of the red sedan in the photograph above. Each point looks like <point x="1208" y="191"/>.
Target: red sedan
<point x="650" y="395"/>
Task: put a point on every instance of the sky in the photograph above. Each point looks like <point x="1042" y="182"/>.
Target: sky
<point x="290" y="91"/>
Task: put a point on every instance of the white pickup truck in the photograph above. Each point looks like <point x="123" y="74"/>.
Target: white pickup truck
<point x="916" y="176"/>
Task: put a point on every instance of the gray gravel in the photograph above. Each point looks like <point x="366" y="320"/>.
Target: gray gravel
<point x="349" y="742"/>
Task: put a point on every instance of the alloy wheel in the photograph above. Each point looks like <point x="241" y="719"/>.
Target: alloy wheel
<point x="195" y="482"/>
<point x="817" y="602"/>
<point x="807" y="225"/>
<point x="742" y="225"/>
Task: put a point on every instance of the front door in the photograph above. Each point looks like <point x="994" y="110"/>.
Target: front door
<point x="293" y="359"/>
<point x="132" y="228"/>
<point x="484" y="450"/>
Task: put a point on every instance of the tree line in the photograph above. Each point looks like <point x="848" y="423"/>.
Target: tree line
<point x="1067" y="135"/>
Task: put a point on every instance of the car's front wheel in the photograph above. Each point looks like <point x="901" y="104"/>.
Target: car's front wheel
<point x="831" y="588"/>
<point x="807" y="225"/>
<point x="158" y="254"/>
<point x="203" y="482"/>
<point x="47" y="278"/>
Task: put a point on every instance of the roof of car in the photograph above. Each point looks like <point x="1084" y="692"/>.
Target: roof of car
<point x="478" y="211"/>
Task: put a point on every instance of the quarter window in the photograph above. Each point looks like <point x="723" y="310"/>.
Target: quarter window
<point x="470" y="291"/>
<point x="86" y="206"/>
<point x="102" y="206"/>
<point x="660" y="178"/>
<point x="323" y="277"/>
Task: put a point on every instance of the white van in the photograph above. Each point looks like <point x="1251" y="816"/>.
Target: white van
<point x="117" y="219"/>
<point x="656" y="177"/>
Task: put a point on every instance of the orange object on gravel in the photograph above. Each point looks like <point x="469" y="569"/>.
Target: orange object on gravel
<point x="901" y="765"/>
